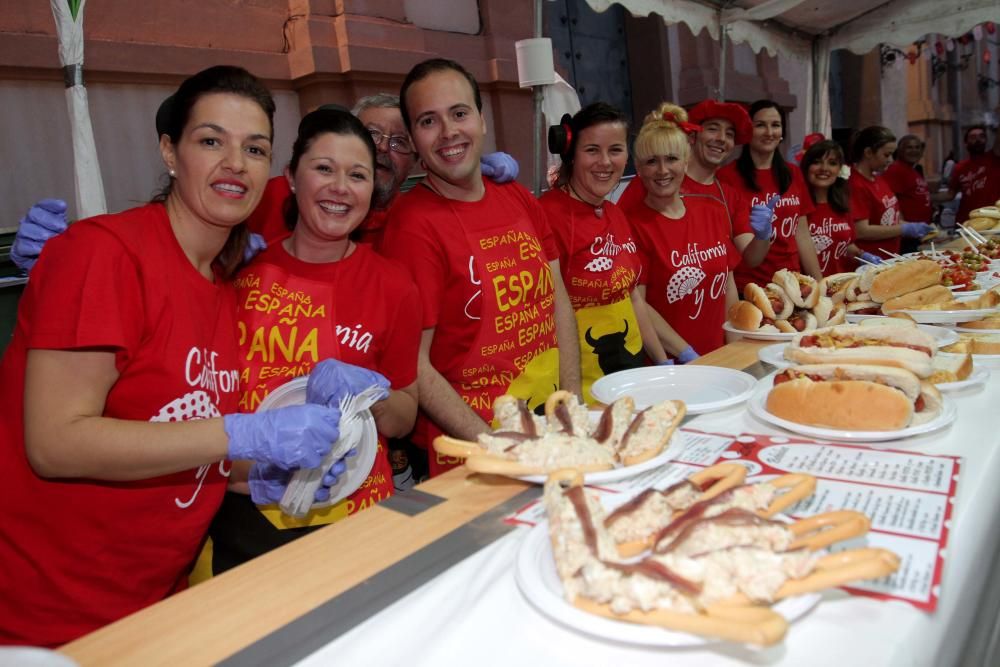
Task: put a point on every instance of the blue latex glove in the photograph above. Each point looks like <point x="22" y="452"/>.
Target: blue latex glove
<point x="915" y="230"/>
<point x="870" y="258"/>
<point x="687" y="355"/>
<point x="269" y="482"/>
<point x="666" y="362"/>
<point x="499" y="167"/>
<point x="331" y="380"/>
<point x="761" y="216"/>
<point x="255" y="244"/>
<point x="47" y="218"/>
<point x="297" y="436"/>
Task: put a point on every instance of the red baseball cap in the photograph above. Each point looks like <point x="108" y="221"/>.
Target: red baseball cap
<point x="730" y="111"/>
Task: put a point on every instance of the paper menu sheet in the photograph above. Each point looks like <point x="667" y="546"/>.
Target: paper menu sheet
<point x="908" y="496"/>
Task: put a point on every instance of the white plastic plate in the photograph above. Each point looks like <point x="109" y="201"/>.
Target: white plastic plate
<point x="702" y="388"/>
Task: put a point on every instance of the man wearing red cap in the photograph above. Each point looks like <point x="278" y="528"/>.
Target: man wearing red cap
<point x="723" y="126"/>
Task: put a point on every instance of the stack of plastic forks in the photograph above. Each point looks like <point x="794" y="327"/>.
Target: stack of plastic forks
<point x="301" y="491"/>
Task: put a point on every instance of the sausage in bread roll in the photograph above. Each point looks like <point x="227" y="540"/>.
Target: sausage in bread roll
<point x="771" y="300"/>
<point x="853" y="398"/>
<point x="801" y="289"/>
<point x="885" y="345"/>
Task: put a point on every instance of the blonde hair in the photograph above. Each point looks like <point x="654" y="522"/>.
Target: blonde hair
<point x="661" y="136"/>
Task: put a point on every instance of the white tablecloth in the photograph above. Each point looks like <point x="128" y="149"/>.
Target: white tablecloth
<point x="474" y="613"/>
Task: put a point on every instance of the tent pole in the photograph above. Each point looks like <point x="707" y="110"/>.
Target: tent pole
<point x="539" y="118"/>
<point x="722" y="63"/>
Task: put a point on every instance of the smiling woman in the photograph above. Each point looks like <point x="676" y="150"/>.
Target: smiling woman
<point x="114" y="387"/>
<point x="598" y="256"/>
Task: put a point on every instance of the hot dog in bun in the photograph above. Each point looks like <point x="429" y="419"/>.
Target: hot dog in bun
<point x="828" y="314"/>
<point x="863" y="308"/>
<point x="745" y="316"/>
<point x="799" y="320"/>
<point x="801" y="289"/>
<point x="855" y="398"/>
<point x="885" y="345"/>
<point x="835" y="286"/>
<point x="771" y="300"/>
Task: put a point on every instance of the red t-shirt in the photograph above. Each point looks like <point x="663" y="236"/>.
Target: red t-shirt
<point x="831" y="233"/>
<point x="268" y="219"/>
<point x="78" y="554"/>
<point x="794" y="203"/>
<point x="978" y="179"/>
<point x="736" y="204"/>
<point x="687" y="262"/>
<point x="362" y="310"/>
<point x="911" y="191"/>
<point x="873" y="200"/>
<point x="597" y="256"/>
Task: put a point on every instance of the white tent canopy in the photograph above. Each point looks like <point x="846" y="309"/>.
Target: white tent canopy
<point x="811" y="29"/>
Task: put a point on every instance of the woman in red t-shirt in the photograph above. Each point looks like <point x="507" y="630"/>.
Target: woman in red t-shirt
<point x="114" y="387"/>
<point x="316" y="295"/>
<point x="878" y="223"/>
<point x="830" y="223"/>
<point x="686" y="244"/>
<point x="762" y="174"/>
<point x="598" y="257"/>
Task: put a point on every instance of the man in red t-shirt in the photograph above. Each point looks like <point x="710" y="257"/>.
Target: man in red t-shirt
<point x="976" y="177"/>
<point x="496" y="317"/>
<point x="722" y="127"/>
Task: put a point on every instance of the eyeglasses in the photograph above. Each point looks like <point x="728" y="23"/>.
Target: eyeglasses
<point x="397" y="143"/>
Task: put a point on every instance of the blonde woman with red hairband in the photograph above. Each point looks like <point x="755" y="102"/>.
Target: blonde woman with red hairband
<point x="598" y="256"/>
<point x="685" y="242"/>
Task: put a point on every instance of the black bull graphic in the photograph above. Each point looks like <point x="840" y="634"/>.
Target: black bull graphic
<point x="611" y="353"/>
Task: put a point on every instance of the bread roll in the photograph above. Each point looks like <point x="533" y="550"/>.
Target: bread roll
<point x="951" y="368"/>
<point x="745" y="316"/>
<point x="855" y="398"/>
<point x="902" y="278"/>
<point x="928" y="296"/>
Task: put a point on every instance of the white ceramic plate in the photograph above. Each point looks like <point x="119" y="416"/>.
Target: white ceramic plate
<point x="950" y="316"/>
<point x="672" y="450"/>
<point x="757" y="408"/>
<point x="536" y="576"/>
<point x="774" y="355"/>
<point x="977" y="377"/>
<point x="359" y="466"/>
<point x="757" y="335"/>
<point x="702" y="388"/>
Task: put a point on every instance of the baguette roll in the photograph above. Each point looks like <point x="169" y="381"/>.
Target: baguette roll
<point x="901" y="278"/>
